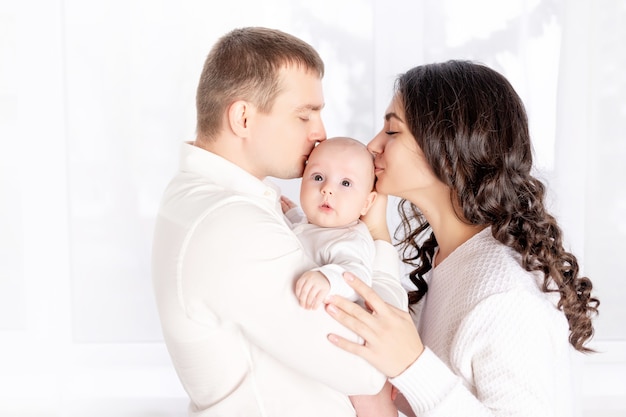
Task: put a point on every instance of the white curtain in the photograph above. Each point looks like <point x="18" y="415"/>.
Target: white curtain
<point x="95" y="98"/>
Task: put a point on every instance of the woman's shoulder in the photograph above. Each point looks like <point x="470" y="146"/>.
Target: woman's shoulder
<point x="490" y="267"/>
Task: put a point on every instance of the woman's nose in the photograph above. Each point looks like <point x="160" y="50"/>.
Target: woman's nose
<point x="374" y="146"/>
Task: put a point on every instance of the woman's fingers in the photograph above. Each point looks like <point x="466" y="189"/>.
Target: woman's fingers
<point x="391" y="340"/>
<point x="350" y="315"/>
<point x="346" y="345"/>
<point x="372" y="300"/>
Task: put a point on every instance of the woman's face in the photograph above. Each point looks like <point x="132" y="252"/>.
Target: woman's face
<point x="401" y="168"/>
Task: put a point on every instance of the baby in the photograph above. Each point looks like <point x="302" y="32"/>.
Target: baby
<point x="337" y="189"/>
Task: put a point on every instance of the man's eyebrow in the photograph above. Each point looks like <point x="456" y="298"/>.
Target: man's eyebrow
<point x="308" y="107"/>
<point x="389" y="115"/>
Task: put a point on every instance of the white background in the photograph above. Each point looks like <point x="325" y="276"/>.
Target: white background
<point x="96" y="96"/>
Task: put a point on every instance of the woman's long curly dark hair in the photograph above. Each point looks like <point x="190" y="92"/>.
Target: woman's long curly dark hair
<point x="473" y="129"/>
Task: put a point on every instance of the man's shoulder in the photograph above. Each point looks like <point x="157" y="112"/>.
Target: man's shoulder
<point x="191" y="197"/>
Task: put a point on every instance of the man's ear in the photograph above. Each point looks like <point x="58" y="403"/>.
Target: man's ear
<point x="368" y="203"/>
<point x="238" y="113"/>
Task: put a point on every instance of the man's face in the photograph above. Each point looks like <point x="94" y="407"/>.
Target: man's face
<point x="284" y="137"/>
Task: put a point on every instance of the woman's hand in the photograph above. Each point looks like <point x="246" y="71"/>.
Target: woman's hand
<point x="376" y="219"/>
<point x="392" y="343"/>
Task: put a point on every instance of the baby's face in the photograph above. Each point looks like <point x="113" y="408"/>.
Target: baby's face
<point x="337" y="183"/>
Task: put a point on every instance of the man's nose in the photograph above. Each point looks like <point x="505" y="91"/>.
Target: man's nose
<point x="318" y="133"/>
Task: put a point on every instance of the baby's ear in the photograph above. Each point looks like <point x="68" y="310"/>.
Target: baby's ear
<point x="368" y="202"/>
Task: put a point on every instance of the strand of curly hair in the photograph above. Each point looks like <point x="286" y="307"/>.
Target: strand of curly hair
<point x="523" y="224"/>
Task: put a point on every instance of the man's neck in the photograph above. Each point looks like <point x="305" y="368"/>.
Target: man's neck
<point x="229" y="147"/>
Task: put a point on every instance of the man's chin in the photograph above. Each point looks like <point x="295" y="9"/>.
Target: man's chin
<point x="288" y="175"/>
<point x="297" y="173"/>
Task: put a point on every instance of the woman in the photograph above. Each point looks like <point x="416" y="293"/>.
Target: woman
<point x="497" y="297"/>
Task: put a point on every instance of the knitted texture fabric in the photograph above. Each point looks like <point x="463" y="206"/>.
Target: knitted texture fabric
<point x="496" y="345"/>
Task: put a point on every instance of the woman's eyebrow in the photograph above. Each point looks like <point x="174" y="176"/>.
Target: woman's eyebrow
<point x="390" y="115"/>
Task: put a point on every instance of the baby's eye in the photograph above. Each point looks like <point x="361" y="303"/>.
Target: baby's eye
<point x="346" y="183"/>
<point x="318" y="177"/>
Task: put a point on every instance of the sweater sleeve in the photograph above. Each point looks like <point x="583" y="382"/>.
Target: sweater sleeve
<point x="386" y="275"/>
<point x="353" y="252"/>
<point x="383" y="276"/>
<point x="509" y="356"/>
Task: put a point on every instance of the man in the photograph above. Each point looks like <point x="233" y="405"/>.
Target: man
<point x="224" y="259"/>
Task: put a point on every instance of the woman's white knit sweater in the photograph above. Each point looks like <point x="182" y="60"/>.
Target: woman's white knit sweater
<point x="496" y="345"/>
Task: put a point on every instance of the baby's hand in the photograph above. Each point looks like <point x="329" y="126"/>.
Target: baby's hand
<point x="286" y="204"/>
<point x="377" y="405"/>
<point x="311" y="289"/>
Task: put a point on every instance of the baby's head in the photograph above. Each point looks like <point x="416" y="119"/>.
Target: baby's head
<point x="338" y="182"/>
